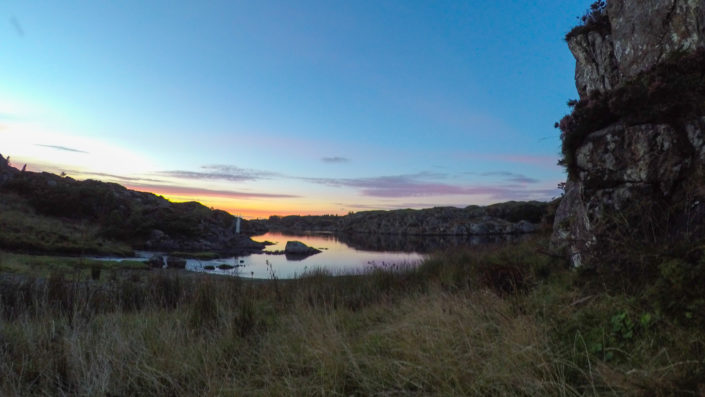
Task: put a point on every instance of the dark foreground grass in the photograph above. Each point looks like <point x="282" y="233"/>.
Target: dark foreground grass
<point x="495" y="321"/>
<point x="24" y="229"/>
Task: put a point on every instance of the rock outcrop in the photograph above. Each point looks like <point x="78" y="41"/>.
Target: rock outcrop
<point x="296" y="250"/>
<point x="635" y="143"/>
<point x="641" y="34"/>
<point x="299" y="248"/>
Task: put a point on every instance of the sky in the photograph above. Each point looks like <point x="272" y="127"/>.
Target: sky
<point x="292" y="107"/>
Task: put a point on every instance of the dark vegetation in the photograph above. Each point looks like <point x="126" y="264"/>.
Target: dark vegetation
<point x="671" y="92"/>
<point x="511" y="211"/>
<point x="653" y="249"/>
<point x="595" y="19"/>
<point x="49" y="213"/>
<point x="306" y="222"/>
<point x="121" y="214"/>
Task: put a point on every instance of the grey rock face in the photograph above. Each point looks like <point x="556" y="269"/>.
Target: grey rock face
<point x="571" y="230"/>
<point x="647" y="153"/>
<point x="624" y="164"/>
<point x="643" y="33"/>
<point x="596" y="68"/>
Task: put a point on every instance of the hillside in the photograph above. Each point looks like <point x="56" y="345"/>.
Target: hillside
<point x="50" y="213"/>
<point x="498" y="219"/>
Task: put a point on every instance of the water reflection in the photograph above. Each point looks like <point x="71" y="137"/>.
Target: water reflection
<point x="350" y="253"/>
<point x="420" y="244"/>
<point x="335" y="256"/>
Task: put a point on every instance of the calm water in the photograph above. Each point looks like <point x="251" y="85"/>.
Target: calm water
<point x="339" y="254"/>
<point x="335" y="256"/>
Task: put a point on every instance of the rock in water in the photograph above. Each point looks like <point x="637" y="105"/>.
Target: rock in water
<point x="176" y="263"/>
<point x="225" y="267"/>
<point x="299" y="248"/>
<point x="156" y="261"/>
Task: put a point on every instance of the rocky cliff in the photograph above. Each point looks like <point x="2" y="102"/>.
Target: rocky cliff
<point x="634" y="145"/>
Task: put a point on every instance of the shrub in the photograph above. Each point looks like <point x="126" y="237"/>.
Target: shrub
<point x="595" y="19"/>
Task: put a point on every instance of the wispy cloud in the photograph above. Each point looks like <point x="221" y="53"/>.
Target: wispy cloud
<point x="195" y="192"/>
<point x="18" y="28"/>
<point x="511" y="177"/>
<point x="334" y="160"/>
<point x="220" y="172"/>
<point x="394" y="206"/>
<point x="544" y="161"/>
<point x="427" y="184"/>
<point x="10" y="117"/>
<point x="113" y="176"/>
<point x="62" y="148"/>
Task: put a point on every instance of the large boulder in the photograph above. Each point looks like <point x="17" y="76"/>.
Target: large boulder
<point x="176" y="263"/>
<point x="299" y="248"/>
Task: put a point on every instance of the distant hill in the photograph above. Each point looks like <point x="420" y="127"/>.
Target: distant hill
<point x="512" y="217"/>
<point x="52" y="213"/>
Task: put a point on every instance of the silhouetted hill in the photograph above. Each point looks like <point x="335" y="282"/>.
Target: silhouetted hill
<point x="512" y="217"/>
<point x="47" y="212"/>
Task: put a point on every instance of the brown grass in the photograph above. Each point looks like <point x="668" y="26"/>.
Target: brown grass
<point x="423" y="334"/>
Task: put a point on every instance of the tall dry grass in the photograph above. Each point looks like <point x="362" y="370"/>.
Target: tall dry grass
<point x="442" y="329"/>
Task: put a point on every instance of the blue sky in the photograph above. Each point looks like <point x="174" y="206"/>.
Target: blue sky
<point x="292" y="107"/>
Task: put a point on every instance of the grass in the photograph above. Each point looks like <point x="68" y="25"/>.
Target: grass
<point x="22" y="228"/>
<point x="205" y="255"/>
<point x="76" y="267"/>
<point x="494" y="321"/>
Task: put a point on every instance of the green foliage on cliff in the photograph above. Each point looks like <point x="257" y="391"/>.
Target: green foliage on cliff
<point x="595" y="19"/>
<point x="671" y="92"/>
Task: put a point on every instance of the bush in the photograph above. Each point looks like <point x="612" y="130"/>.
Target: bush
<point x="595" y="19"/>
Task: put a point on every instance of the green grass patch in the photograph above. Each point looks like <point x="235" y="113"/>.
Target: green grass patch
<point x="196" y="255"/>
<point x="23" y="229"/>
<point x="76" y="267"/>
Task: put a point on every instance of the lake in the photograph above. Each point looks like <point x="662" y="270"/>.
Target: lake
<point x="335" y="256"/>
<point x="352" y="253"/>
<point x="340" y="254"/>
